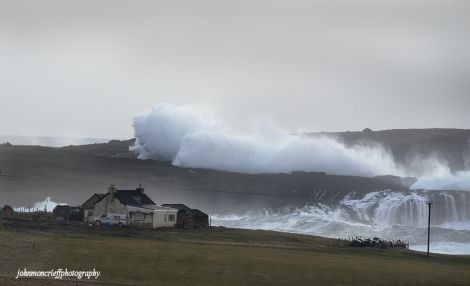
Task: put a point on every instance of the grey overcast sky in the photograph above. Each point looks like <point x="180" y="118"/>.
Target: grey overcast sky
<point x="84" y="68"/>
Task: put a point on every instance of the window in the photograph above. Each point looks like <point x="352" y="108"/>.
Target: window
<point x="171" y="217"/>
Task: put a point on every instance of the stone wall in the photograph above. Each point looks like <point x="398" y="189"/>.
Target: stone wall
<point x="109" y="204"/>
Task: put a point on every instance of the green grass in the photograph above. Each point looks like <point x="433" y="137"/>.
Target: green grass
<point x="221" y="257"/>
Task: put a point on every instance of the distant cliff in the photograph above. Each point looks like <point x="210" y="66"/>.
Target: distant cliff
<point x="72" y="174"/>
<point x="452" y="145"/>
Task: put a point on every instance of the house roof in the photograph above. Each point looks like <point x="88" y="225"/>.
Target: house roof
<point x="90" y="203"/>
<point x="185" y="209"/>
<point x="133" y="197"/>
<point x="197" y="212"/>
<point x="178" y="206"/>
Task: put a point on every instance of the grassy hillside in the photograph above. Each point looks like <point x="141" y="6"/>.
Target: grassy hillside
<point x="217" y="256"/>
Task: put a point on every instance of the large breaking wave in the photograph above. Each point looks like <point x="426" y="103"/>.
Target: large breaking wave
<point x="190" y="138"/>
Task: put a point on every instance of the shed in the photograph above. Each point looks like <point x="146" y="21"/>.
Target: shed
<point x="188" y="217"/>
<point x="66" y="212"/>
<point x="7" y="211"/>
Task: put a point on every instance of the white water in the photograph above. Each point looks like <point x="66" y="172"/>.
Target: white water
<point x="445" y="248"/>
<point x="46" y="205"/>
<point x="190" y="138"/>
<point x="389" y="215"/>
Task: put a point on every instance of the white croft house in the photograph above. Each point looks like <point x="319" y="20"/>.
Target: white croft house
<point x="128" y="207"/>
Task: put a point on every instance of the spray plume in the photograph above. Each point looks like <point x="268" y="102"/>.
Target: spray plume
<point x="189" y="138"/>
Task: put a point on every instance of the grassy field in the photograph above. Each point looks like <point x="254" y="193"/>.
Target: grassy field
<point x="215" y="256"/>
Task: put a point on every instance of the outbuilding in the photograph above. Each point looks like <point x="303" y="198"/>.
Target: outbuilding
<point x="7" y="211"/>
<point x="188" y="217"/>
<point x="66" y="212"/>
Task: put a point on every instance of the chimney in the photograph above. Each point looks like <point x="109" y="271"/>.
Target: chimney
<point x="112" y="189"/>
<point x="140" y="189"/>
